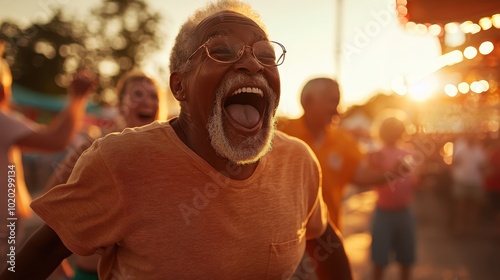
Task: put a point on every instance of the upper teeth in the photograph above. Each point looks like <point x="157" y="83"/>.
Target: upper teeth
<point x="249" y="90"/>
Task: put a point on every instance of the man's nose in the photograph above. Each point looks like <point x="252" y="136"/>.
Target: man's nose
<point x="248" y="63"/>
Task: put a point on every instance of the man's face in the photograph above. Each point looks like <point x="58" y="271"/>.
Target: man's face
<point x="236" y="102"/>
<point x="324" y="103"/>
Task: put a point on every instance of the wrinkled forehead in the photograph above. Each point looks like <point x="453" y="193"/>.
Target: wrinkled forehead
<point x="227" y="22"/>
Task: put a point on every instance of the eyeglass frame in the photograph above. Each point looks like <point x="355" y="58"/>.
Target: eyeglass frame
<point x="204" y="45"/>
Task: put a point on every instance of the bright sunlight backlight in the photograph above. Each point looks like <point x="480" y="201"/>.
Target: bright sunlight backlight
<point x="398" y="85"/>
<point x="423" y="89"/>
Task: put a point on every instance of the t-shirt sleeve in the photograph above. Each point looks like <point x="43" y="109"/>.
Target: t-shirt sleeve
<point x="87" y="211"/>
<point x="317" y="218"/>
<point x="316" y="223"/>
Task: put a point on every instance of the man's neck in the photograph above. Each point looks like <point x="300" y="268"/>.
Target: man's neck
<point x="316" y="129"/>
<point x="204" y="149"/>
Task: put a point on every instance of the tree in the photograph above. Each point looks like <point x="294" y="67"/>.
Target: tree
<point x="118" y="35"/>
<point x="129" y="34"/>
<point x="40" y="53"/>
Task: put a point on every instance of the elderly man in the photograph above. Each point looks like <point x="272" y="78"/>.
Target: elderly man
<point x="201" y="196"/>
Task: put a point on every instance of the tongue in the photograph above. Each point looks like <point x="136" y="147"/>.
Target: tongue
<point x="245" y="115"/>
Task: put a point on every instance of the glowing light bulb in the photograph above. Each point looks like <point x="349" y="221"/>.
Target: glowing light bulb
<point x="486" y="23"/>
<point x="450" y="90"/>
<point x="477" y="87"/>
<point x="495" y="19"/>
<point x="486" y="47"/>
<point x="467" y="26"/>
<point x="485" y="84"/>
<point x="454" y="36"/>
<point x="435" y="29"/>
<point x="470" y="52"/>
<point x="463" y="87"/>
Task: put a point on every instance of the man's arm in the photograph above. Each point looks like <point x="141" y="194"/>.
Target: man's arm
<point x="368" y="173"/>
<point x="39" y="257"/>
<point x="366" y="176"/>
<point x="61" y="130"/>
<point x="328" y="253"/>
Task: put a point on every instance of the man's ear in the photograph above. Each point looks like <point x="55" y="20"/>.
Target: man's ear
<point x="176" y="86"/>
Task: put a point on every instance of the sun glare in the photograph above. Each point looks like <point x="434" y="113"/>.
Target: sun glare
<point x="423" y="83"/>
<point x="423" y="90"/>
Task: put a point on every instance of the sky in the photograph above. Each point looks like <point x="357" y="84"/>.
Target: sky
<point x="371" y="50"/>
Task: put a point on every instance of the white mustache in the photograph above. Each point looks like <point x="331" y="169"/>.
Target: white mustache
<point x="257" y="80"/>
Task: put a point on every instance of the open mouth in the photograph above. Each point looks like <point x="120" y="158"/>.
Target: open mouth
<point x="245" y="108"/>
<point x="146" y="117"/>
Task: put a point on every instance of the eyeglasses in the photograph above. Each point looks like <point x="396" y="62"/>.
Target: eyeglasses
<point x="226" y="49"/>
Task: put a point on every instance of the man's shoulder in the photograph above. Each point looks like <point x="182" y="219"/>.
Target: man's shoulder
<point x="289" y="125"/>
<point x="152" y="128"/>
<point x="132" y="137"/>
<point x="282" y="137"/>
<point x="289" y="149"/>
<point x="285" y="142"/>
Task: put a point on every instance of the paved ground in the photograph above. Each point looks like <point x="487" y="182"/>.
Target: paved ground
<point x="440" y="255"/>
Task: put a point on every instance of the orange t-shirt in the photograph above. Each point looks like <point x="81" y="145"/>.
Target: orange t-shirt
<point x="155" y="210"/>
<point x="338" y="155"/>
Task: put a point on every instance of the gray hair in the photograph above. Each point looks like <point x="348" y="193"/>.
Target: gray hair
<point x="185" y="43"/>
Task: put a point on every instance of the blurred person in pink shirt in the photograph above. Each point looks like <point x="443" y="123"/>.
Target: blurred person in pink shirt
<point x="393" y="227"/>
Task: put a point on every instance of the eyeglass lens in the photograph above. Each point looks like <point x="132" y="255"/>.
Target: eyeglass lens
<point x="228" y="49"/>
